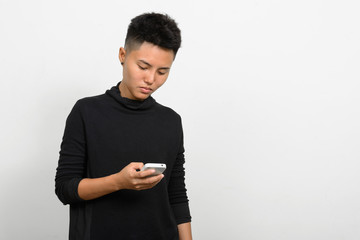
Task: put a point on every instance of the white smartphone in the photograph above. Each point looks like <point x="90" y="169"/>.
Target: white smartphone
<point x="159" y="168"/>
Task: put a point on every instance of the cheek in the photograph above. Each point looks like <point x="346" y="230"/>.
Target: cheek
<point x="160" y="81"/>
<point x="132" y="74"/>
<point x="164" y="78"/>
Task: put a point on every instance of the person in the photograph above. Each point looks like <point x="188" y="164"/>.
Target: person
<point x="108" y="138"/>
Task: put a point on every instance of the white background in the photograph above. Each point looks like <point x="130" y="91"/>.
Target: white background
<point x="269" y="93"/>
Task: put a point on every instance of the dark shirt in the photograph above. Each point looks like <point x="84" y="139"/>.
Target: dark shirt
<point x="103" y="134"/>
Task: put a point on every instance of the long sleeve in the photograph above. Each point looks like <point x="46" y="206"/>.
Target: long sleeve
<point x="177" y="189"/>
<point x="72" y="164"/>
<point x="105" y="133"/>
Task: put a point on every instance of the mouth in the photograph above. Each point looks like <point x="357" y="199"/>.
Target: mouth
<point x="145" y="90"/>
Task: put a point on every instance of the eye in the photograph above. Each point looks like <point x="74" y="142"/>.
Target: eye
<point x="163" y="71"/>
<point x="142" y="68"/>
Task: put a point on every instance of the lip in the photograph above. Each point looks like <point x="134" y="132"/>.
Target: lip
<point x="145" y="90"/>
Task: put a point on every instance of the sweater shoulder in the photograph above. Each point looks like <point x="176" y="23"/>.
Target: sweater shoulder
<point x="91" y="100"/>
<point x="167" y="111"/>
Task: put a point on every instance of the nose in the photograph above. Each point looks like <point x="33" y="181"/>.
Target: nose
<point x="150" y="78"/>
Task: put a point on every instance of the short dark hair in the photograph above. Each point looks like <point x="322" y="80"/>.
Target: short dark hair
<point x="158" y="29"/>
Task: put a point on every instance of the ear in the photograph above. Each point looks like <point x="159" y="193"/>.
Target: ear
<point x="122" y="54"/>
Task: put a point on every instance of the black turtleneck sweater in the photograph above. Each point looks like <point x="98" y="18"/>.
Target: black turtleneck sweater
<point x="105" y="133"/>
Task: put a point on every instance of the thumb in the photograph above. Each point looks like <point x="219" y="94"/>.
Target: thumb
<point x="136" y="165"/>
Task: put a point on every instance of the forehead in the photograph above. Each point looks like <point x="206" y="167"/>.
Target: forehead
<point x="152" y="54"/>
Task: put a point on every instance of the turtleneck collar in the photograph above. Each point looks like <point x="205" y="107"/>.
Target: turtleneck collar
<point x="114" y="92"/>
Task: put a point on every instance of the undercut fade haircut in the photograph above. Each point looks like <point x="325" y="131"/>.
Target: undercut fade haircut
<point x="155" y="28"/>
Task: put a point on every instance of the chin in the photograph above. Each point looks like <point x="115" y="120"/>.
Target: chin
<point x="141" y="97"/>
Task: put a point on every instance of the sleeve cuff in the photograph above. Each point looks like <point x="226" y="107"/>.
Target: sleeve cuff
<point x="72" y="195"/>
<point x="181" y="213"/>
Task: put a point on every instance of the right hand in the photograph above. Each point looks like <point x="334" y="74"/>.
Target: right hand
<point x="131" y="178"/>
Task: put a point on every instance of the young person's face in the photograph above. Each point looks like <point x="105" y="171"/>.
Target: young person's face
<point x="145" y="69"/>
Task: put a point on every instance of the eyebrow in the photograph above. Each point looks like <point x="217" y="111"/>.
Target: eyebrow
<point x="148" y="64"/>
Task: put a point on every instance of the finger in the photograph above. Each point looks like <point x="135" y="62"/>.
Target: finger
<point x="154" y="179"/>
<point x="136" y="165"/>
<point x="159" y="180"/>
<point x="148" y="181"/>
<point x="147" y="184"/>
<point x="153" y="184"/>
<point x="146" y="173"/>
